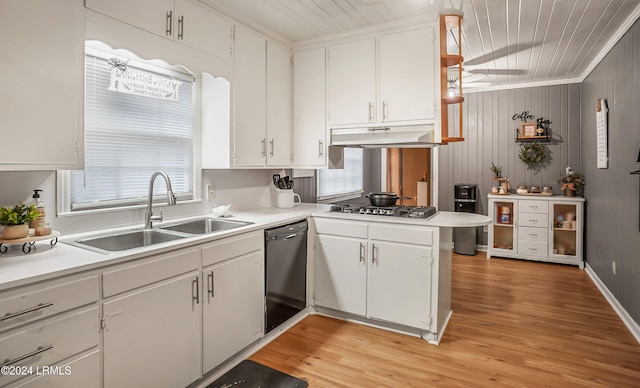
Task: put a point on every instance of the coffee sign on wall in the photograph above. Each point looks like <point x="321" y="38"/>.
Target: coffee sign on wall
<point x="124" y="79"/>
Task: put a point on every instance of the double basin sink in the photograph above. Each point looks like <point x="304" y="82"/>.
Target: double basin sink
<point x="121" y="241"/>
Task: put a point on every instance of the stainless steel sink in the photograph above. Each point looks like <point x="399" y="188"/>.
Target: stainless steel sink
<point x="127" y="240"/>
<point x="205" y="225"/>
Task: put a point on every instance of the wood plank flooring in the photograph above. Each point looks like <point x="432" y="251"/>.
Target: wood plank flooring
<point x="515" y="324"/>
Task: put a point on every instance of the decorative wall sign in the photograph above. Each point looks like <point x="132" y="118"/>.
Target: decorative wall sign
<point x="602" y="134"/>
<point x="528" y="129"/>
<point x="142" y="83"/>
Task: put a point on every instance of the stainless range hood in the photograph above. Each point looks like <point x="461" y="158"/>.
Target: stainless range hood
<point x="410" y="136"/>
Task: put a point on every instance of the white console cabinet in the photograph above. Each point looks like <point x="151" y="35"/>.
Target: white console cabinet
<point x="537" y="228"/>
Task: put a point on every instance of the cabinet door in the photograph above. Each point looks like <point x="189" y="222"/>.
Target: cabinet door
<point x="566" y="230"/>
<point x="250" y="108"/>
<point x="233" y="312"/>
<point x="278" y="105"/>
<point x="400" y="279"/>
<point x="407" y="76"/>
<point x="309" y="108"/>
<point x="42" y="78"/>
<point x="198" y="26"/>
<point x="341" y="274"/>
<point x="352" y="83"/>
<point x="152" y="337"/>
<point x="502" y="231"/>
<point x="156" y="16"/>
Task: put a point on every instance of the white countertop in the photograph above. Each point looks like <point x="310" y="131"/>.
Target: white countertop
<point x="45" y="261"/>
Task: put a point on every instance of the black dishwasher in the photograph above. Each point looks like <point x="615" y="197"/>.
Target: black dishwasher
<point x="285" y="272"/>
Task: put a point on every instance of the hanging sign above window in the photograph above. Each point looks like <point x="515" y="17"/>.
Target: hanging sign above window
<point x="138" y="82"/>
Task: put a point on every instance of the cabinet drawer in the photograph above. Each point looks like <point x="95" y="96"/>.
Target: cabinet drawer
<point x="50" y="342"/>
<point x="83" y="371"/>
<point x="540" y="220"/>
<point x="231" y="247"/>
<point x="128" y="277"/>
<point x="28" y="304"/>
<point x="530" y="206"/>
<point x="401" y="233"/>
<point x="340" y="227"/>
<point x="532" y="248"/>
<point x="533" y="234"/>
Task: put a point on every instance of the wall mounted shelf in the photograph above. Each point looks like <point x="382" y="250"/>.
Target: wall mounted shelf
<point x="451" y="77"/>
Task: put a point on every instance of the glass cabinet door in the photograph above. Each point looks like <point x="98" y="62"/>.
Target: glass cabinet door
<point x="565" y="224"/>
<point x="503" y="225"/>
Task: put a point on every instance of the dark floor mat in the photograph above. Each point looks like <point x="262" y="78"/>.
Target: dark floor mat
<point x="249" y="374"/>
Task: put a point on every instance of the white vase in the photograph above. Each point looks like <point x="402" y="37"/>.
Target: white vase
<point x="12" y="232"/>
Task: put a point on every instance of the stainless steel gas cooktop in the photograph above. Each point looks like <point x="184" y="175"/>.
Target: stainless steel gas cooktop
<point x="391" y="211"/>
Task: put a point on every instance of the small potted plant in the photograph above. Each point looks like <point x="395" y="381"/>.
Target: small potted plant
<point x="570" y="181"/>
<point x="15" y="220"/>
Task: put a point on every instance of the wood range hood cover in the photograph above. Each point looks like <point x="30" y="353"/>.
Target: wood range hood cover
<point x="410" y="136"/>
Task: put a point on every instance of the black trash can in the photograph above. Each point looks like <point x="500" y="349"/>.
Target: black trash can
<point x="465" y="200"/>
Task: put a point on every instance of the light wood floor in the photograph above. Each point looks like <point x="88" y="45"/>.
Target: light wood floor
<point x="515" y="324"/>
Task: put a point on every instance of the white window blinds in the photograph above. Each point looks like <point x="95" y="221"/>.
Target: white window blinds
<point x="340" y="183"/>
<point x="129" y="137"/>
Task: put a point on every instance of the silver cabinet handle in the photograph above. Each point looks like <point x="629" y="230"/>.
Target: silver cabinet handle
<point x="41" y="349"/>
<point x="169" y="22"/>
<point x="210" y="289"/>
<point x="371" y="111"/>
<point x="181" y="27"/>
<point x="374" y="249"/>
<point x="40" y="306"/>
<point x="272" y="147"/>
<point x="373" y="129"/>
<point x="264" y="147"/>
<point x="195" y="290"/>
<point x="384" y="110"/>
<point x="320" y="148"/>
<point x="362" y="252"/>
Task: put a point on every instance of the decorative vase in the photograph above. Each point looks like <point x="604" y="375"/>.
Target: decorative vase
<point x="569" y="193"/>
<point x="12" y="232"/>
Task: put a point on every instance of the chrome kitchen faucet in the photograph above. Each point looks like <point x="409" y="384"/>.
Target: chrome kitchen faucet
<point x="171" y="199"/>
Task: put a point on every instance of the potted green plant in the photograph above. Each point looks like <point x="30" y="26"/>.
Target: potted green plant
<point x="570" y="181"/>
<point x="15" y="220"/>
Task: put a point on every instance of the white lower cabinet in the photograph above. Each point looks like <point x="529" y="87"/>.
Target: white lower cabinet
<point x="378" y="271"/>
<point x="151" y="327"/>
<point x="152" y="336"/>
<point x="233" y="307"/>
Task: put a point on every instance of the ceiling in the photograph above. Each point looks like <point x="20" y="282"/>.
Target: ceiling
<point x="506" y="43"/>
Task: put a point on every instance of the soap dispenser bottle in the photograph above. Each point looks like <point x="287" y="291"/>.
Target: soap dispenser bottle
<point x="40" y="223"/>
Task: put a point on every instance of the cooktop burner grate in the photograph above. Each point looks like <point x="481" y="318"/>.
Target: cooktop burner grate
<point x="392" y="211"/>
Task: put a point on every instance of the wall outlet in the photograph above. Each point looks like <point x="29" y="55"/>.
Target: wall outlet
<point x="613" y="267"/>
<point x="210" y="191"/>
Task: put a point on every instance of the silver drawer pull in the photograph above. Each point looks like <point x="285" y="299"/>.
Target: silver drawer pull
<point x="41" y="306"/>
<point x="530" y="220"/>
<point x="41" y="349"/>
<point x="533" y="249"/>
<point x="533" y="234"/>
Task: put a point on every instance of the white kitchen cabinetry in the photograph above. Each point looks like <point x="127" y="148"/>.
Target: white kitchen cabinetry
<point x="537" y="228"/>
<point x="233" y="296"/>
<point x="42" y="78"/>
<point x="189" y="22"/>
<point x="381" y="271"/>
<point x="309" y="108"/>
<point x="389" y="79"/>
<point x="262" y="102"/>
<point x="151" y="331"/>
<point x="51" y="323"/>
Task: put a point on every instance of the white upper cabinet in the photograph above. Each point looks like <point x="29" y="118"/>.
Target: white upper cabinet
<point x="352" y="82"/>
<point x="278" y="105"/>
<point x="42" y="78"/>
<point x="187" y="21"/>
<point x="309" y="108"/>
<point x="389" y="79"/>
<point x="260" y="135"/>
<point x="250" y="103"/>
<point x="407" y="76"/>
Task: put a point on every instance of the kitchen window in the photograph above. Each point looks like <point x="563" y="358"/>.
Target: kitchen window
<point x="342" y="184"/>
<point x="138" y="120"/>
